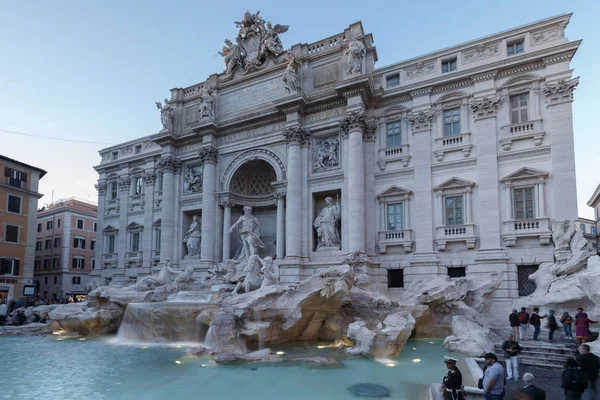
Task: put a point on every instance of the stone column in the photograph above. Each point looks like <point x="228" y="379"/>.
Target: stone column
<point x="208" y="156"/>
<point x="280" y="237"/>
<point x="468" y="208"/>
<point x="559" y="97"/>
<point x="535" y="103"/>
<point x="123" y="238"/>
<point x="355" y="125"/>
<point x="168" y="165"/>
<point x="146" y="245"/>
<point x="226" y="225"/>
<point x="464" y="116"/>
<point x="101" y="188"/>
<point x="484" y="112"/>
<point x="508" y="200"/>
<point x="542" y="198"/>
<point x="295" y="137"/>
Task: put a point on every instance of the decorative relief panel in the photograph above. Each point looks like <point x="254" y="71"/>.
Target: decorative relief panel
<point x="548" y="34"/>
<point x="481" y="52"/>
<point x="192" y="178"/>
<point x="420" y="69"/>
<point x="326" y="154"/>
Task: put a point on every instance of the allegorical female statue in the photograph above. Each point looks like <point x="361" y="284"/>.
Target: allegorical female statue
<point x="249" y="231"/>
<point x="291" y="83"/>
<point x="356" y="52"/>
<point x="166" y="115"/>
<point x="193" y="237"/>
<point x="326" y="224"/>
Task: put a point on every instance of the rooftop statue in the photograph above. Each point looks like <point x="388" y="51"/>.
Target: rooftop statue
<point x="234" y="59"/>
<point x="356" y="52"/>
<point x="271" y="42"/>
<point x="207" y="105"/>
<point x="166" y="115"/>
<point x="291" y="83"/>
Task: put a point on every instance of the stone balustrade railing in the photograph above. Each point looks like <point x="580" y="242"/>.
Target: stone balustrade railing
<point x="401" y="237"/>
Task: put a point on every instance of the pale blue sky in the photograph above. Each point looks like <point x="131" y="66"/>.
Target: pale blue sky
<point x="92" y="70"/>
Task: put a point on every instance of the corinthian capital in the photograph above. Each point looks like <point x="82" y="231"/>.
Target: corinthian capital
<point x="296" y="135"/>
<point x="355" y="119"/>
<point x="101" y="187"/>
<point x="484" y="108"/>
<point x="169" y="163"/>
<point x="208" y="154"/>
<point x="422" y="120"/>
<point x="560" y="92"/>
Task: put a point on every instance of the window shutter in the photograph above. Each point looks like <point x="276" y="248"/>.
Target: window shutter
<point x="82" y="263"/>
<point x="2" y="266"/>
<point x="16" y="267"/>
<point x="83" y="244"/>
<point x="7" y="171"/>
<point x="73" y="265"/>
<point x="24" y="177"/>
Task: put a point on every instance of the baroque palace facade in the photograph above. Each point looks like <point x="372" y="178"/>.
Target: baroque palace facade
<point x="455" y="162"/>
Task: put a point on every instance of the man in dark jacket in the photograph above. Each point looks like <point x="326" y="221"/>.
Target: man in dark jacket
<point x="590" y="365"/>
<point x="535" y="392"/>
<point x="513" y="318"/>
<point x="524" y="321"/>
<point x="536" y="320"/>
<point x="452" y="383"/>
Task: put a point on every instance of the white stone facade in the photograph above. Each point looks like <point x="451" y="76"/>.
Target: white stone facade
<point x="460" y="158"/>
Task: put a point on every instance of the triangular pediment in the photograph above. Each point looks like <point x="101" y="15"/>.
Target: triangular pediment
<point x="110" y="228"/>
<point x="454" y="183"/>
<point x="133" y="225"/>
<point x="394" y="191"/>
<point x="157" y="222"/>
<point x="525" y="173"/>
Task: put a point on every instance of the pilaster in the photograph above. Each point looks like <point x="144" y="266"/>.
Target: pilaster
<point x="101" y="188"/>
<point x="208" y="156"/>
<point x="169" y="166"/>
<point x="149" y="178"/>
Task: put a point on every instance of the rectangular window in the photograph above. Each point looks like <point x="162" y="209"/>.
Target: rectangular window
<point x="93" y="245"/>
<point x="395" y="214"/>
<point x="58" y="223"/>
<point x="135" y="241"/>
<point x="449" y="66"/>
<point x="593" y="230"/>
<point x="38" y="245"/>
<point x="46" y="263"/>
<point x="452" y="122"/>
<point x="55" y="279"/>
<point x="114" y="190"/>
<point x="518" y="109"/>
<point x="79" y="243"/>
<point x="110" y="244"/>
<point x="515" y="48"/>
<point x="45" y="281"/>
<point x="78" y="262"/>
<point x="454" y="210"/>
<point x="524" y="203"/>
<point x="36" y="264"/>
<point x="137" y="185"/>
<point x="56" y="243"/>
<point x="9" y="266"/>
<point x="14" y="204"/>
<point x="115" y="155"/>
<point x="393" y="134"/>
<point x="79" y="223"/>
<point x="583" y="228"/>
<point x="49" y="225"/>
<point x="160" y="181"/>
<point x="11" y="234"/>
<point x="14" y="177"/>
<point x="457" y="272"/>
<point x="47" y="244"/>
<point x="95" y="226"/>
<point x="138" y="149"/>
<point x="157" y="240"/>
<point x="39" y="227"/>
<point x="76" y="280"/>
<point x="56" y="262"/>
<point x="395" y="278"/>
<point x="392" y="81"/>
<point x="93" y="263"/>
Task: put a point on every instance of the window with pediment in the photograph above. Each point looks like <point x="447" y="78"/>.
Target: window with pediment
<point x="395" y="219"/>
<point x="453" y="213"/>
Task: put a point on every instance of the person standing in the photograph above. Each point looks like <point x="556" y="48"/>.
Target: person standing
<point x="552" y="325"/>
<point x="566" y="320"/>
<point x="511" y="351"/>
<point x="582" y="327"/>
<point x="590" y="365"/>
<point x="534" y="392"/>
<point x="574" y="380"/>
<point x="536" y="320"/>
<point x="515" y="324"/>
<point x="524" y="321"/>
<point x="452" y="383"/>
<point x="493" y="378"/>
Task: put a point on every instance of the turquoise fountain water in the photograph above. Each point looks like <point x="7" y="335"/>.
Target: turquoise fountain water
<point x="96" y="369"/>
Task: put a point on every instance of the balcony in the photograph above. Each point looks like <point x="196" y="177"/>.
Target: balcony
<point x="133" y="255"/>
<point x="449" y="144"/>
<point x="398" y="153"/>
<point x="530" y="130"/>
<point x="526" y="228"/>
<point x="155" y="254"/>
<point x="401" y="237"/>
<point x="16" y="183"/>
<point x="109" y="257"/>
<point x="455" y="233"/>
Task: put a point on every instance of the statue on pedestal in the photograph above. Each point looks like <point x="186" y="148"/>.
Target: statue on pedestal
<point x="326" y="224"/>
<point x="249" y="232"/>
<point x="291" y="83"/>
<point x="166" y="115"/>
<point x="234" y="60"/>
<point x="207" y="104"/>
<point x="271" y="42"/>
<point x="192" y="238"/>
<point x="356" y="52"/>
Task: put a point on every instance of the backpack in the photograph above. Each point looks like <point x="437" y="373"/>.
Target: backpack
<point x="579" y="381"/>
<point x="523" y="317"/>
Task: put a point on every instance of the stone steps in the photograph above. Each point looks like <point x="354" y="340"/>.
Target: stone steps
<point x="541" y="354"/>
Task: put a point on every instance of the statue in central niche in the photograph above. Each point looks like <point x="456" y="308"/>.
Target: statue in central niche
<point x="249" y="232"/>
<point x="326" y="224"/>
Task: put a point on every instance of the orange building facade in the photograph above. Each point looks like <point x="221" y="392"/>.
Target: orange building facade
<point x="65" y="248"/>
<point x="19" y="197"/>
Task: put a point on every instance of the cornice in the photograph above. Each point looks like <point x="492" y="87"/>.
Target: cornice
<point x="394" y="174"/>
<point x="453" y="165"/>
<point x="525" y="153"/>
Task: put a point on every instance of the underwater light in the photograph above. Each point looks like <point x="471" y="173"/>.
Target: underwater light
<point x="280" y="353"/>
<point x="177" y="362"/>
<point x="416" y="360"/>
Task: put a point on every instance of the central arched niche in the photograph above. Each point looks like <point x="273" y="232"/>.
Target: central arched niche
<point x="252" y="184"/>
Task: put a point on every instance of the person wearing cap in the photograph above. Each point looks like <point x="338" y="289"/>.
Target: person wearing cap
<point x="515" y="324"/>
<point x="452" y="383"/>
<point x="493" y="378"/>
<point x="534" y="392"/>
